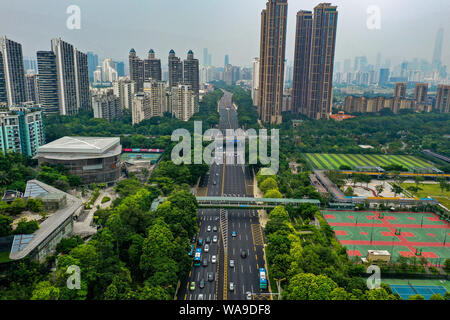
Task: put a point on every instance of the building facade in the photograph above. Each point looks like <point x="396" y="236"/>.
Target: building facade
<point x="106" y="106"/>
<point x="152" y="67"/>
<point x="320" y="89"/>
<point x="183" y="102"/>
<point x="255" y="80"/>
<point x="272" y="59"/>
<point x="32" y="88"/>
<point x="302" y="61"/>
<point x="443" y="99"/>
<point x="22" y="130"/>
<point x="13" y="72"/>
<point x="125" y="89"/>
<point x="136" y="66"/>
<point x="175" y="70"/>
<point x="191" y="72"/>
<point x="48" y="82"/>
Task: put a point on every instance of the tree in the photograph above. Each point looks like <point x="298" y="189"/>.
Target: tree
<point x="45" y="291"/>
<point x="17" y="206"/>
<point x="26" y="227"/>
<point x="416" y="297"/>
<point x="268" y="184"/>
<point x="279" y="213"/>
<point x="307" y="286"/>
<point x="35" y="205"/>
<point x="396" y="189"/>
<point x="379" y="188"/>
<point x="273" y="194"/>
<point x="5" y="225"/>
<point x="447" y="266"/>
<point x="436" y="296"/>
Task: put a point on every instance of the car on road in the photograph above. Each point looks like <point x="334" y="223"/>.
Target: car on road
<point x="244" y="254"/>
<point x="200" y="242"/>
<point x="192" y="287"/>
<point x="200" y="296"/>
<point x="231" y="263"/>
<point x="208" y="229"/>
<point x="205" y="262"/>
<point x="206" y="248"/>
<point x="213" y="259"/>
<point x="233" y="234"/>
<point x="210" y="276"/>
<point x="208" y="239"/>
<point x="215" y="239"/>
<point x="214" y="183"/>
<point x="217" y="174"/>
<point x="231" y="286"/>
<point x="248" y="295"/>
<point x="201" y="285"/>
<point x="215" y="229"/>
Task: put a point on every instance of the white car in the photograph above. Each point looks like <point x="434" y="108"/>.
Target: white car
<point x="213" y="259"/>
<point x="214" y="239"/>
<point x="200" y="296"/>
<point x="248" y="295"/>
<point x="206" y="247"/>
<point x="208" y="229"/>
<point x="231" y="286"/>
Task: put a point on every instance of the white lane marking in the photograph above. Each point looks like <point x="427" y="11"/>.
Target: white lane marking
<point x="246" y="237"/>
<point x="250" y="267"/>
<point x="243" y="289"/>
<point x="242" y="268"/>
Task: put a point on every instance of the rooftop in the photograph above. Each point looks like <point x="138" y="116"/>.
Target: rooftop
<point x="24" y="244"/>
<point x="86" y="145"/>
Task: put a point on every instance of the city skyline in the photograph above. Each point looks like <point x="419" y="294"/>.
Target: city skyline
<point x="210" y="31"/>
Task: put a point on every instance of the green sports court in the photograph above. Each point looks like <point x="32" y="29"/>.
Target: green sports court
<point x="404" y="234"/>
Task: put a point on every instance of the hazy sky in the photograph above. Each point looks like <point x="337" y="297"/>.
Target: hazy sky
<point x="111" y="28"/>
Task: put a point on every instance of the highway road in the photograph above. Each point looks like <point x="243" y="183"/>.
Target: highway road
<point x="228" y="180"/>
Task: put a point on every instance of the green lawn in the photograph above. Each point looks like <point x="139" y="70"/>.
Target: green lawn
<point x="432" y="190"/>
<point x="334" y="161"/>
<point x="4" y="257"/>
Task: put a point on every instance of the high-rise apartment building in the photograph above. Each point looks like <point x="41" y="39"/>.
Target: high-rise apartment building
<point x="302" y="61"/>
<point x="158" y="97"/>
<point x="3" y="96"/>
<point x="120" y="67"/>
<point x="110" y="73"/>
<point x="175" y="70"/>
<point x="72" y="78"/>
<point x="140" y="110"/>
<point x="320" y="88"/>
<point x="48" y="82"/>
<point x="106" y="105"/>
<point x="22" y="130"/>
<point x="183" y="102"/>
<point x="400" y="90"/>
<point x="32" y="88"/>
<point x="437" y="52"/>
<point x="384" y="77"/>
<point x="136" y="70"/>
<point x="227" y="60"/>
<point x="13" y="72"/>
<point x="125" y="89"/>
<point x="152" y="67"/>
<point x="421" y="93"/>
<point x="272" y="58"/>
<point x="98" y="75"/>
<point x="191" y="72"/>
<point x="255" y="80"/>
<point x="92" y="64"/>
<point x="443" y="98"/>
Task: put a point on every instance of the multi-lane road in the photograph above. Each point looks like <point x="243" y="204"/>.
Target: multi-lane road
<point x="237" y="230"/>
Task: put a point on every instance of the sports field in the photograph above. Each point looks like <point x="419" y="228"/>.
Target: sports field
<point x="132" y="157"/>
<point x="408" y="287"/>
<point x="400" y="233"/>
<point x="431" y="190"/>
<point x="325" y="161"/>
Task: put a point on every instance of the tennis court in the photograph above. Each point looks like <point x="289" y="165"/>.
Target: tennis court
<point x="406" y="234"/>
<point x="405" y="291"/>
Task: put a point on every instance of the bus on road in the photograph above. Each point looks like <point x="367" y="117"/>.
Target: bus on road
<point x="197" y="256"/>
<point x="262" y="279"/>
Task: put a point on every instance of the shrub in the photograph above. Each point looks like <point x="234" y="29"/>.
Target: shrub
<point x="26" y="227"/>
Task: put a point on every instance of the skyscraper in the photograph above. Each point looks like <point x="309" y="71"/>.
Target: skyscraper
<point x="152" y="67"/>
<point x="205" y="57"/>
<point x="183" y="102"/>
<point x="3" y="96"/>
<point x="125" y="90"/>
<point x="191" y="72"/>
<point x="227" y="60"/>
<point x="48" y="82"/>
<point x="109" y="71"/>
<point x="72" y="76"/>
<point x="175" y="69"/>
<point x="400" y="90"/>
<point x="437" y="53"/>
<point x="320" y="88"/>
<point x="384" y="77"/>
<point x="92" y="64"/>
<point x="302" y="61"/>
<point x="272" y="57"/>
<point x="32" y="88"/>
<point x="136" y="70"/>
<point x="13" y="72"/>
<point x="120" y="67"/>
<point x="106" y="105"/>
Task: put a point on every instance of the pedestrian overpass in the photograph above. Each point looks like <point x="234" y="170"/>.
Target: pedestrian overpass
<point x="250" y="203"/>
